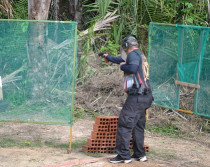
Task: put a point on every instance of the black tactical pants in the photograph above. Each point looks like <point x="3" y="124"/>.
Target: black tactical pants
<point x="132" y="121"/>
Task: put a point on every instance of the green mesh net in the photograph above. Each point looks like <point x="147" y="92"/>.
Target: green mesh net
<point x="38" y="71"/>
<point x="180" y="53"/>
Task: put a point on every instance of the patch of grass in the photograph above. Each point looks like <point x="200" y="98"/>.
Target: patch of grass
<point x="96" y="155"/>
<point x="8" y="142"/>
<point x="162" y="154"/>
<point x="56" y="145"/>
<point x="83" y="114"/>
<point x="166" y="129"/>
<point x="1" y="124"/>
<point x="78" y="114"/>
<point x="206" y="126"/>
<point x="79" y="143"/>
<point x="75" y="144"/>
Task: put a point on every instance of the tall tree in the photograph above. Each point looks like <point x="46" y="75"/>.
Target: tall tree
<point x="67" y="10"/>
<point x="38" y="10"/>
<point x="208" y="17"/>
<point x="75" y="9"/>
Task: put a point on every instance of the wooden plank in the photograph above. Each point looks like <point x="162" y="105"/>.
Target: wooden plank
<point x="1" y="92"/>
<point x="185" y="111"/>
<point x="187" y="84"/>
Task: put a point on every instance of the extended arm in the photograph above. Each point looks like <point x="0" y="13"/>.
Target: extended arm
<point x="129" y="68"/>
<point x="113" y="59"/>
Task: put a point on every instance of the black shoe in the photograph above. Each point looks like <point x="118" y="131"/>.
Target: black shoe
<point x="142" y="159"/>
<point x="118" y="159"/>
<point x="135" y="157"/>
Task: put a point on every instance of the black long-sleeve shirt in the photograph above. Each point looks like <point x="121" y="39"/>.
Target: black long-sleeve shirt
<point x="128" y="68"/>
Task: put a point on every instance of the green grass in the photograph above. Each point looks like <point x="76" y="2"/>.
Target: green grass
<point x="79" y="143"/>
<point x="163" y="154"/>
<point x="96" y="155"/>
<point x="56" y="145"/>
<point x="9" y="142"/>
<point x="83" y="114"/>
<point x="164" y="130"/>
<point x="75" y="144"/>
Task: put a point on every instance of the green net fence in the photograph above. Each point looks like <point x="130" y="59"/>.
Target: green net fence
<point x="38" y="71"/>
<point x="180" y="53"/>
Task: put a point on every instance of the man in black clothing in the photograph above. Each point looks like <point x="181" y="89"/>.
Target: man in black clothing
<point x="132" y="116"/>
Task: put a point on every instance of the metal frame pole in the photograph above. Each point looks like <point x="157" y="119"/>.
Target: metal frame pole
<point x="1" y="91"/>
<point x="202" y="46"/>
<point x="73" y="88"/>
<point x="180" y="55"/>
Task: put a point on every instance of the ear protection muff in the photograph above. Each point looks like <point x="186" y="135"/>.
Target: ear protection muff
<point x="125" y="43"/>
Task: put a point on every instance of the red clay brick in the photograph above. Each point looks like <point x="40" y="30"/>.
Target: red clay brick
<point x="94" y="149"/>
<point x="100" y="128"/>
<point x="98" y="119"/>
<point x="103" y="135"/>
<point x="101" y="142"/>
<point x="104" y="120"/>
<point x="98" y="149"/>
<point x="114" y="120"/>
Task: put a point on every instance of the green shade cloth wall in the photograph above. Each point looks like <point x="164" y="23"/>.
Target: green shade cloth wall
<point x="38" y="70"/>
<point x="182" y="53"/>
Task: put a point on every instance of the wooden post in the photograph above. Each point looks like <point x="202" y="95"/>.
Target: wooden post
<point x="1" y="92"/>
<point x="147" y="114"/>
<point x="70" y="139"/>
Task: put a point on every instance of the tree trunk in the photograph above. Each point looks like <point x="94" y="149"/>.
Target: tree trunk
<point x="75" y="9"/>
<point x="38" y="10"/>
<point x="208" y="16"/>
<point x="55" y="10"/>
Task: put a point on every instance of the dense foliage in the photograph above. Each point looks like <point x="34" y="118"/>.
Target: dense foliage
<point x="135" y="15"/>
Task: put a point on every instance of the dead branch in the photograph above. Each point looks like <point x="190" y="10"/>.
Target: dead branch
<point x="11" y="77"/>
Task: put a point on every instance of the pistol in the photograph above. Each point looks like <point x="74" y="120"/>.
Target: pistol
<point x="101" y="54"/>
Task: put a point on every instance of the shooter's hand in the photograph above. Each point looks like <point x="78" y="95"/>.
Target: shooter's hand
<point x="122" y="63"/>
<point x="103" y="54"/>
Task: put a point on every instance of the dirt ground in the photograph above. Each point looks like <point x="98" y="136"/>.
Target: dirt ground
<point x="164" y="151"/>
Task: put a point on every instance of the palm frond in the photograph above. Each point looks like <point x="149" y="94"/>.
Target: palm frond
<point x="6" y="8"/>
<point x="102" y="24"/>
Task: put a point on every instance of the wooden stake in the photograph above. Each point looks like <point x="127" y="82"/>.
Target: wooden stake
<point x="70" y="139"/>
<point x="185" y="111"/>
<point x="147" y="114"/>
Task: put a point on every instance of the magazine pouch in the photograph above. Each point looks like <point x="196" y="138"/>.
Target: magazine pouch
<point x="128" y="82"/>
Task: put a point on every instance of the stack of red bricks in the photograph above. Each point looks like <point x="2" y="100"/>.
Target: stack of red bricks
<point x="103" y="136"/>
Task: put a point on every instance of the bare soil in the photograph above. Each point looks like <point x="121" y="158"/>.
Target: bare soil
<point x="164" y="151"/>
